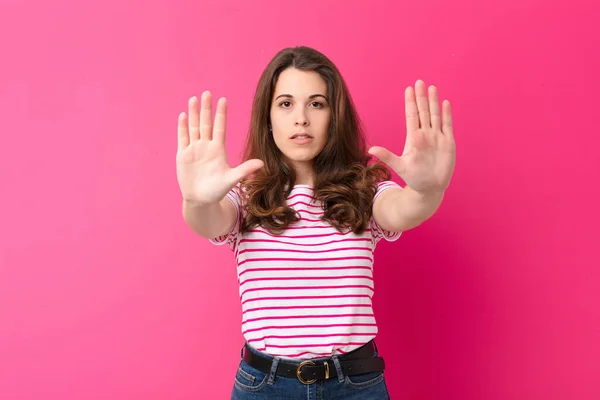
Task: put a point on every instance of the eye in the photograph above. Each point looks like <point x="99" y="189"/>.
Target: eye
<point x="318" y="104"/>
<point x="285" y="104"/>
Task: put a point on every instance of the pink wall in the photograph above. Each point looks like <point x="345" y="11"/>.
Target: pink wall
<point x="106" y="294"/>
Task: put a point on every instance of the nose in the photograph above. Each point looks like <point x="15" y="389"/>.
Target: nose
<point x="301" y="119"/>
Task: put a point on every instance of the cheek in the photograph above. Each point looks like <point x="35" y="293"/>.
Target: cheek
<point x="324" y="122"/>
<point x="279" y="139"/>
<point x="324" y="125"/>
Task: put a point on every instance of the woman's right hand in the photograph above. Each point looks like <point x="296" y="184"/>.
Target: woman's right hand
<point x="203" y="172"/>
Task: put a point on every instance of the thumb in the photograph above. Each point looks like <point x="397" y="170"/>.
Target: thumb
<point x="245" y="169"/>
<point x="383" y="154"/>
<point x="395" y="162"/>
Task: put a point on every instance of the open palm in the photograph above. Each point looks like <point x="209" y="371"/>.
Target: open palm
<point x="429" y="155"/>
<point x="203" y="171"/>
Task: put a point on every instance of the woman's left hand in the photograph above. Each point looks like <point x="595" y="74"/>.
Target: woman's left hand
<point x="429" y="155"/>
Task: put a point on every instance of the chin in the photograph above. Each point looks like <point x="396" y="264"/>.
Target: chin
<point x="300" y="157"/>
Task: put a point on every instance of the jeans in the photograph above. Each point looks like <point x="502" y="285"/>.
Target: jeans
<point x="252" y="384"/>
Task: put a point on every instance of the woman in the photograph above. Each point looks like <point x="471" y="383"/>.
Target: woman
<point x="303" y="214"/>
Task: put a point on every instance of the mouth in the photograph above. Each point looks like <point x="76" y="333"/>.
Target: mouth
<point x="301" y="136"/>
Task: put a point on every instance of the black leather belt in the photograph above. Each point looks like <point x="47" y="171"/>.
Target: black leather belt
<point x="356" y="362"/>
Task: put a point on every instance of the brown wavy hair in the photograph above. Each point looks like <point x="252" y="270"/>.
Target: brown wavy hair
<point x="345" y="182"/>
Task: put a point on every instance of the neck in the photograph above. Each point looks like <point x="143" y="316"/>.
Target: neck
<point x="304" y="174"/>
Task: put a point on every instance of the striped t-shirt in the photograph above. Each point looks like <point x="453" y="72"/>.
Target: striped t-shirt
<point x="307" y="292"/>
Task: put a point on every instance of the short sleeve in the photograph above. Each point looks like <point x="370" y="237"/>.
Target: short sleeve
<point x="376" y="231"/>
<point x="232" y="236"/>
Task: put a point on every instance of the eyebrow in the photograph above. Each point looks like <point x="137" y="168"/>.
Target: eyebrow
<point x="312" y="96"/>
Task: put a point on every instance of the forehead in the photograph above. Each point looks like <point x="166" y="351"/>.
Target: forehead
<point x="300" y="83"/>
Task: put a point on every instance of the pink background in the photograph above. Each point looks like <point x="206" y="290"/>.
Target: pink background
<point x="106" y="294"/>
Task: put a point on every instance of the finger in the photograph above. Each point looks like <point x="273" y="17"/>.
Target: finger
<point x="383" y="154"/>
<point x="410" y="109"/>
<point x="194" y="127"/>
<point x="220" y="120"/>
<point x="245" y="169"/>
<point x="422" y="104"/>
<point x="434" y="108"/>
<point x="206" y="116"/>
<point x="183" y="137"/>
<point x="447" y="120"/>
<point x="395" y="162"/>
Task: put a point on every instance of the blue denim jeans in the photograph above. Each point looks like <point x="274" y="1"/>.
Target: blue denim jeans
<point x="252" y="384"/>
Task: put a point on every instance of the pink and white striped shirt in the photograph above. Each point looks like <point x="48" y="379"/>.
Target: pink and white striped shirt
<point x="307" y="292"/>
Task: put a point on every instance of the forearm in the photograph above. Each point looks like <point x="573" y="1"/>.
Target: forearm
<point x="209" y="220"/>
<point x="411" y="208"/>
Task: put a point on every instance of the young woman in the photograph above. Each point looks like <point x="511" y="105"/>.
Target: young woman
<point x="303" y="214"/>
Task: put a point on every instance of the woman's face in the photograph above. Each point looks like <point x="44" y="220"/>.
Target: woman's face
<point x="300" y="115"/>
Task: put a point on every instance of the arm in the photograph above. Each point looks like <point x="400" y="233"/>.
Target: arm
<point x="203" y="172"/>
<point x="426" y="164"/>
<point x="398" y="210"/>
<point x="210" y="220"/>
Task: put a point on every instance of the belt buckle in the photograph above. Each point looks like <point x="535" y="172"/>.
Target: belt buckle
<point x="299" y="372"/>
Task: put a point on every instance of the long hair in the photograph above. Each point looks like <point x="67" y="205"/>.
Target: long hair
<point x="344" y="181"/>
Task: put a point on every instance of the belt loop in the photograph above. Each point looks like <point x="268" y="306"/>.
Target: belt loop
<point x="273" y="371"/>
<point x="338" y="368"/>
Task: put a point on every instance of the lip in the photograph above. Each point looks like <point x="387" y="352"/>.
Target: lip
<point x="301" y="133"/>
<point x="297" y="140"/>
